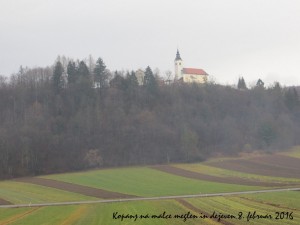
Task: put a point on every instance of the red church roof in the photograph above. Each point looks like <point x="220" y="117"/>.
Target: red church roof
<point x="194" y="71"/>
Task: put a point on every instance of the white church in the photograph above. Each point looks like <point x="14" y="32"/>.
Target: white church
<point x="182" y="75"/>
<point x="188" y="75"/>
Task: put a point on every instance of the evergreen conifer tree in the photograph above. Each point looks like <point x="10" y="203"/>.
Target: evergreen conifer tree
<point x="242" y="84"/>
<point x="133" y="82"/>
<point x="150" y="81"/>
<point x="100" y="73"/>
<point x="72" y="72"/>
<point x="57" y="79"/>
<point x="260" y="83"/>
<point x="83" y="70"/>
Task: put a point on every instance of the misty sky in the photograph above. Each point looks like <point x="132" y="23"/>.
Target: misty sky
<point x="227" y="38"/>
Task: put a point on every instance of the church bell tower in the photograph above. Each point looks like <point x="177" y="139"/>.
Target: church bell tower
<point x="178" y="66"/>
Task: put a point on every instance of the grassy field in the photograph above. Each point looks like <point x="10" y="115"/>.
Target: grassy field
<point x="97" y="214"/>
<point x="144" y="181"/>
<point x="102" y="214"/>
<point x="263" y="204"/>
<point x="19" y="193"/>
<point x="288" y="200"/>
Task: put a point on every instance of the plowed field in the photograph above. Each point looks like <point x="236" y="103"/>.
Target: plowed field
<point x="89" y="191"/>
<point x="227" y="180"/>
<point x="271" y="165"/>
<point x="4" y="202"/>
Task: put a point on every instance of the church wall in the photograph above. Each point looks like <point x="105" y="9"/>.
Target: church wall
<point x="192" y="78"/>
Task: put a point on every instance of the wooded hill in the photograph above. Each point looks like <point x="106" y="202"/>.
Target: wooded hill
<point x="50" y="125"/>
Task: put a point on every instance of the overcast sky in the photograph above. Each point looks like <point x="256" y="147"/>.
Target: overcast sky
<point x="227" y="38"/>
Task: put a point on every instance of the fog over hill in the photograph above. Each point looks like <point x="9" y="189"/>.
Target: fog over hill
<point x="53" y="122"/>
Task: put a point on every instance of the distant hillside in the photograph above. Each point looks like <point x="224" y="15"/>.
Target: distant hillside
<point x="49" y="126"/>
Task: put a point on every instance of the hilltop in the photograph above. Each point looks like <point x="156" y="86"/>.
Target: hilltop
<point x="49" y="127"/>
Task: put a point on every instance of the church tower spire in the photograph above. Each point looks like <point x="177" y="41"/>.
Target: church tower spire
<point x="178" y="56"/>
<point x="178" y="66"/>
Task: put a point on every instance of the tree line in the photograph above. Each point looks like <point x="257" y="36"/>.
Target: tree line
<point x="55" y="119"/>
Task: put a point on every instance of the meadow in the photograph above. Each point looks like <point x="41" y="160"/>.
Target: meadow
<point x="267" y="203"/>
<point x="148" y="182"/>
<point x="23" y="193"/>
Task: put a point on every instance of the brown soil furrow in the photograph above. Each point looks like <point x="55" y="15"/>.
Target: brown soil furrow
<point x="279" y="160"/>
<point x="255" y="167"/>
<point x="199" y="211"/>
<point x="4" y="202"/>
<point x="199" y="176"/>
<point x="76" y="188"/>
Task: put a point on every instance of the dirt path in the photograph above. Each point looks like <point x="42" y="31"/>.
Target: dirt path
<point x="4" y="202"/>
<point x="228" y="180"/>
<point x="80" y="189"/>
<point x="199" y="211"/>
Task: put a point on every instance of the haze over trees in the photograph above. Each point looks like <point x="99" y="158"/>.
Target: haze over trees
<point x="52" y="120"/>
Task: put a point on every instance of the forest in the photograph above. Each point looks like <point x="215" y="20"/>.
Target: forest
<point x="54" y="119"/>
